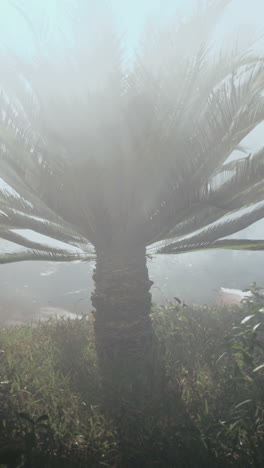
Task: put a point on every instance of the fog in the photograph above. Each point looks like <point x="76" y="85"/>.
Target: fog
<point x="194" y="277"/>
<point x="131" y="233"/>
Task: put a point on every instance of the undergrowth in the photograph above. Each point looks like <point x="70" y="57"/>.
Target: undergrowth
<point x="50" y="391"/>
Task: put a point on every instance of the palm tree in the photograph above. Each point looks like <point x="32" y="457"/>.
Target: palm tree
<point x="122" y="161"/>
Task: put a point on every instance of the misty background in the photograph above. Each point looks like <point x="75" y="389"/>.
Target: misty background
<point x="195" y="278"/>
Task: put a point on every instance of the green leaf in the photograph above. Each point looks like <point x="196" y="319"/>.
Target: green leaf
<point x="189" y="246"/>
<point x="243" y="403"/>
<point x="221" y="357"/>
<point x="247" y="318"/>
<point x="258" y="368"/>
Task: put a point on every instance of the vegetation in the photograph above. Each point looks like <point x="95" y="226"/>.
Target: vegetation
<point x="52" y="400"/>
<point x="123" y="160"/>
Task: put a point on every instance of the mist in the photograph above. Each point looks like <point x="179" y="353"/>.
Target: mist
<point x="131" y="208"/>
<point x="194" y="277"/>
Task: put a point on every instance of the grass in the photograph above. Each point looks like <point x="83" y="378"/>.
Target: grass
<point x="51" y="396"/>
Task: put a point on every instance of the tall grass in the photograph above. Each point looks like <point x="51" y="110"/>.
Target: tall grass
<point x="50" y="392"/>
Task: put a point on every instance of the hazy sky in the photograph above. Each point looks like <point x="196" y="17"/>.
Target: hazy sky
<point x="130" y="16"/>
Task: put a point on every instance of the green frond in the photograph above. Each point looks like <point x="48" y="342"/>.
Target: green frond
<point x="239" y="182"/>
<point x="224" y="226"/>
<point x="227" y="244"/>
<point x="32" y="255"/>
<point x="19" y="213"/>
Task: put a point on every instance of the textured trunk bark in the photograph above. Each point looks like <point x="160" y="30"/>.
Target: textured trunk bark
<point x="123" y="330"/>
<point x="133" y="380"/>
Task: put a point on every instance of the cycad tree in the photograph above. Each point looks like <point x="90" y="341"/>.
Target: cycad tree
<point x="123" y="160"/>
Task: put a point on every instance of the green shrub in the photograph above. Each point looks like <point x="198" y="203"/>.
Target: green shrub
<point x="213" y="358"/>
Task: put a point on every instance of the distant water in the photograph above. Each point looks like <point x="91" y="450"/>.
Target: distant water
<point x="195" y="278"/>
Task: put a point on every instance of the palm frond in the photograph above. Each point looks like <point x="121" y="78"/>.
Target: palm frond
<point x="200" y="137"/>
<point x="237" y="185"/>
<point x="223" y="227"/>
<point x="34" y="255"/>
<point x="226" y="244"/>
<point x="239" y="182"/>
<point x="21" y="213"/>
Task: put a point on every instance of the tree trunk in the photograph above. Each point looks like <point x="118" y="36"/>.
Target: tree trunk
<point x="133" y="378"/>
<point x="123" y="330"/>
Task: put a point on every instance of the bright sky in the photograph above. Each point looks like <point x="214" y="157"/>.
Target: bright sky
<point x="130" y="16"/>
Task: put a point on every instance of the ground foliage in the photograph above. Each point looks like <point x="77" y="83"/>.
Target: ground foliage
<point x="50" y="393"/>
